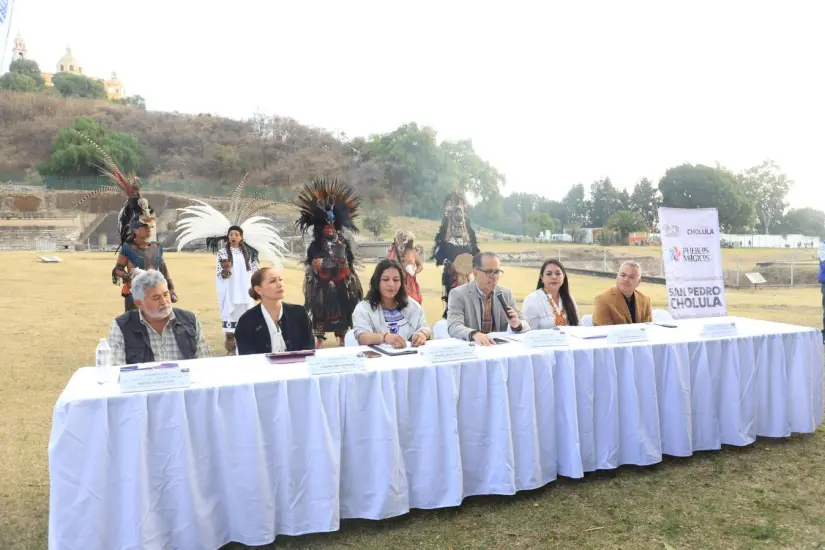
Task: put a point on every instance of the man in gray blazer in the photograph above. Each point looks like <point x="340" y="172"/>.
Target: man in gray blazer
<point x="474" y="309"/>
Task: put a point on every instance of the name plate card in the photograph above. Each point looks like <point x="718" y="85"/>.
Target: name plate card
<point x="335" y="363"/>
<point x="627" y="334"/>
<point x="162" y="377"/>
<point x="546" y="338"/>
<point x="449" y="350"/>
<point x="719" y="330"/>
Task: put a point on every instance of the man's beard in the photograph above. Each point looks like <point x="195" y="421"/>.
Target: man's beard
<point x="160" y="314"/>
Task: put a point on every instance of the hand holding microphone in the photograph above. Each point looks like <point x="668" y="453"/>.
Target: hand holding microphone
<point x="512" y="316"/>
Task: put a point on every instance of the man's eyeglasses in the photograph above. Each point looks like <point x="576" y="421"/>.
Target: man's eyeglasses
<point x="492" y="272"/>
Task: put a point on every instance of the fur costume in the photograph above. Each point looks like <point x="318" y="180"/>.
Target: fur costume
<point x="455" y="237"/>
<point x="331" y="285"/>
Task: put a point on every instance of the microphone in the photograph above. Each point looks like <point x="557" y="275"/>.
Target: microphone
<point x="504" y="305"/>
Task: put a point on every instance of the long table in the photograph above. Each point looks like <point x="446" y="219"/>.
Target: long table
<point x="253" y="450"/>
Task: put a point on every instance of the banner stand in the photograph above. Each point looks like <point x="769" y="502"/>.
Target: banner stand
<point x="692" y="257"/>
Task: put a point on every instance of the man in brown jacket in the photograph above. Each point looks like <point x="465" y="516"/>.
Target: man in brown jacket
<point x="623" y="304"/>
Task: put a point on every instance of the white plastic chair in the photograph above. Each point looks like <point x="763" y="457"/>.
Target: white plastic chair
<point x="662" y="316"/>
<point x="587" y="321"/>
<point x="349" y="339"/>
<point x="440" y="330"/>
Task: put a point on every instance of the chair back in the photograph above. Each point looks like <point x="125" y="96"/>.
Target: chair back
<point x="440" y="330"/>
<point x="349" y="339"/>
<point x="662" y="316"/>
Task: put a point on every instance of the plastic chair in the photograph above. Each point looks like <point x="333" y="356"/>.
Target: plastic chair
<point x="349" y="339"/>
<point x="662" y="316"/>
<point x="587" y="321"/>
<point x="440" y="330"/>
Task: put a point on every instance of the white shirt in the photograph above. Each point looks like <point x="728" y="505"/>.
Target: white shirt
<point x="539" y="312"/>
<point x="275" y="337"/>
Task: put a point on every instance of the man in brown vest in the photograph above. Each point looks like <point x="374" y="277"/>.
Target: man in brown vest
<point x="623" y="304"/>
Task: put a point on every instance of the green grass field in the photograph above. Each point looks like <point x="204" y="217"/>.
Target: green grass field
<point x="767" y="495"/>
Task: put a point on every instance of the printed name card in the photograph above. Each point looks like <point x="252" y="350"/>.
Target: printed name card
<point x="449" y="350"/>
<point x="719" y="330"/>
<point x="334" y="363"/>
<point x="627" y="334"/>
<point x="546" y="338"/>
<point x="162" y="377"/>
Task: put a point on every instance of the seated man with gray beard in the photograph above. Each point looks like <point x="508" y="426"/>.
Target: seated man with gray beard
<point x="155" y="331"/>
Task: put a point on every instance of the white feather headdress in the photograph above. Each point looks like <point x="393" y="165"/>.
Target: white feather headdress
<point x="259" y="233"/>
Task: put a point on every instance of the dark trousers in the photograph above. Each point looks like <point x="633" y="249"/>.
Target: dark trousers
<point x="129" y="302"/>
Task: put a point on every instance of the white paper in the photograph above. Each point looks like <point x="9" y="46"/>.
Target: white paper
<point x="390" y="348"/>
<point x="329" y="363"/>
<point x="149" y="379"/>
<point x="626" y="334"/>
<point x="546" y="338"/>
<point x="446" y="350"/>
<point x="716" y="330"/>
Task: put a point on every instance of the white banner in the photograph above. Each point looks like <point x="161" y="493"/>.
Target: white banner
<point x="693" y="262"/>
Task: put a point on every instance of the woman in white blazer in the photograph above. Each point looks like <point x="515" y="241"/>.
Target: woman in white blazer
<point x="551" y="304"/>
<point x="387" y="315"/>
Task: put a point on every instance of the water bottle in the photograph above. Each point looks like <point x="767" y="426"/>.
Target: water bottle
<point x="103" y="361"/>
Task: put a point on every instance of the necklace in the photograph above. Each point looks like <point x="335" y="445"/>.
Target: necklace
<point x="558" y="311"/>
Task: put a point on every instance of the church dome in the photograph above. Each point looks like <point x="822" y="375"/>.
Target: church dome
<point x="68" y="64"/>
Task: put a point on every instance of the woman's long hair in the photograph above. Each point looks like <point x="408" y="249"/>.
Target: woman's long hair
<point x="374" y="293"/>
<point x="564" y="292"/>
<point x="243" y="247"/>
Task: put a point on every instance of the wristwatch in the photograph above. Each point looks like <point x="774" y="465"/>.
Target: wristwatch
<point x="473" y="333"/>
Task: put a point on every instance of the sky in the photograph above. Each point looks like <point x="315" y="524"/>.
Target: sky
<point x="551" y="93"/>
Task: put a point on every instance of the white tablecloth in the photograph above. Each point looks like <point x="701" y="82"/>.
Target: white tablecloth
<point x="254" y="450"/>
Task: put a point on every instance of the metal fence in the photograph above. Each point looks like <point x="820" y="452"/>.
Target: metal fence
<point x="599" y="261"/>
<point x="186" y="187"/>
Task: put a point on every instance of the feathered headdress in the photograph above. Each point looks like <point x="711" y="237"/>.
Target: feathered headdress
<point x="136" y="208"/>
<point x="324" y="203"/>
<point x="259" y="233"/>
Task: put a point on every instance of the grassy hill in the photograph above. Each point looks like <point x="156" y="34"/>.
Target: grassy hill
<point x="276" y="150"/>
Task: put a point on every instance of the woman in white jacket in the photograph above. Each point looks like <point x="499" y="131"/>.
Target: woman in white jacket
<point x="387" y="315"/>
<point x="551" y="304"/>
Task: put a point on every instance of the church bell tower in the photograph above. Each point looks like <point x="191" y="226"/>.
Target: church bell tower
<point x="19" y="51"/>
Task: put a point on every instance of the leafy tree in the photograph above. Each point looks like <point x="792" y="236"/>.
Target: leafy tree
<point x="30" y="69"/>
<point x="624" y="200"/>
<point x="419" y="173"/>
<point x="134" y="100"/>
<point x="699" y="186"/>
<point x="576" y="232"/>
<point x="625" y="222"/>
<point x="803" y="221"/>
<point x="538" y="222"/>
<point x="645" y="201"/>
<point x="766" y="186"/>
<point x="77" y="85"/>
<point x="575" y="205"/>
<point x="377" y="222"/>
<point x="17" y="82"/>
<point x="411" y="159"/>
<point x="473" y="174"/>
<point x="74" y="156"/>
<point x="605" y="201"/>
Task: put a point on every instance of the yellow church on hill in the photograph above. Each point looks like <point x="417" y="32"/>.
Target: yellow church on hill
<point x="69" y="64"/>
